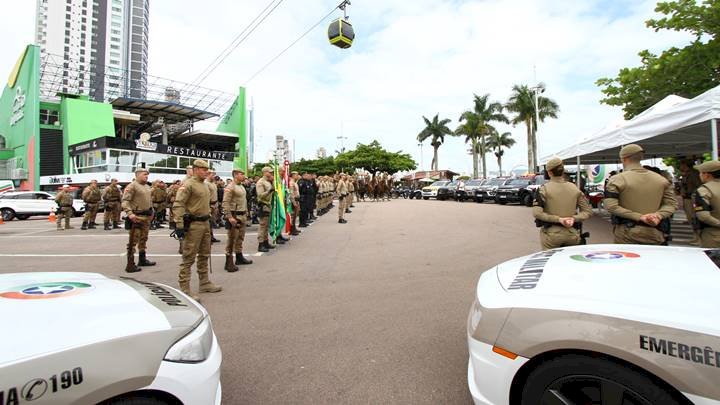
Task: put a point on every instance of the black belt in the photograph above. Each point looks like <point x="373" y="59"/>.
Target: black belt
<point x="146" y="212"/>
<point x="194" y="218"/>
<point x="237" y="212"/>
<point x="158" y="202"/>
<point x="111" y="201"/>
<point x="545" y="225"/>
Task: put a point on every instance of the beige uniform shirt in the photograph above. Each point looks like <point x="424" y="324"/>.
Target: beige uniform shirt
<point x="264" y="190"/>
<point x="91" y="195"/>
<point x="234" y="199"/>
<point x="341" y="189"/>
<point x="562" y="200"/>
<point x="136" y="198"/>
<point x="193" y="198"/>
<point x="294" y="189"/>
<point x="710" y="193"/>
<point x="351" y="186"/>
<point x="213" y="191"/>
<point x="65" y="199"/>
<point x="639" y="191"/>
<point x="111" y="193"/>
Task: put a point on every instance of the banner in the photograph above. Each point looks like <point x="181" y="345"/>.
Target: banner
<point x="278" y="213"/>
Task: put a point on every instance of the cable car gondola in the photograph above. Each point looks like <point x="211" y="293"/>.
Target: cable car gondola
<point x="340" y="31"/>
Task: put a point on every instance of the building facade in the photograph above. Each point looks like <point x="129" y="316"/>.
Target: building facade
<point x="102" y="45"/>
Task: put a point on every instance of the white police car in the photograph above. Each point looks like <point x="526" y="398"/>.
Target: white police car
<point x="83" y="338"/>
<point x="598" y="324"/>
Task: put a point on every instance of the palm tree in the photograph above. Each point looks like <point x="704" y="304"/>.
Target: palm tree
<point x="499" y="141"/>
<point x="436" y="130"/>
<point x="471" y="129"/>
<point x="486" y="113"/>
<point x="522" y="103"/>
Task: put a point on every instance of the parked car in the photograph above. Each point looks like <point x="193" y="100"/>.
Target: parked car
<point x="431" y="190"/>
<point x="24" y="204"/>
<point x="521" y="190"/>
<point x="597" y="324"/>
<point x="87" y="338"/>
<point x="447" y="192"/>
<point x="486" y="191"/>
<point x="471" y="186"/>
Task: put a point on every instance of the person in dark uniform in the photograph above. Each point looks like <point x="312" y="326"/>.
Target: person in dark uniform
<point x="306" y="195"/>
<point x="559" y="209"/>
<point x="707" y="204"/>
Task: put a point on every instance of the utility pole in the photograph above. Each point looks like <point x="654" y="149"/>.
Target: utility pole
<point x="422" y="165"/>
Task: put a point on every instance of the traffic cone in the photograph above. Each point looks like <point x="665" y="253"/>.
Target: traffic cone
<point x="52" y="217"/>
<point x="1" y="220"/>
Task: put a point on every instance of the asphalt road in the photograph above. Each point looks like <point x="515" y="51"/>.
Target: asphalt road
<point x="372" y="311"/>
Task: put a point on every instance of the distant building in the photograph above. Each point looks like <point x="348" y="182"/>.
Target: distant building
<point x="321" y="153"/>
<point x="282" y="149"/>
<point x="102" y="45"/>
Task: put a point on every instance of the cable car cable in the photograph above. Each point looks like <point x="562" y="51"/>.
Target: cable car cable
<point x="233" y="45"/>
<point x="294" y="42"/>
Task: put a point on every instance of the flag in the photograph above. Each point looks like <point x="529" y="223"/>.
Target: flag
<point x="288" y="198"/>
<point x="278" y="214"/>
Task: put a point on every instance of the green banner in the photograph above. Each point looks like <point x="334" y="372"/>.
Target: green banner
<point x="235" y="121"/>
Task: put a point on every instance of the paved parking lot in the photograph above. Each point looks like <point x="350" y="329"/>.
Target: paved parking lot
<point x="368" y="312"/>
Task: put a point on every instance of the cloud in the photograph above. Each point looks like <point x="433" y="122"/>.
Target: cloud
<point x="410" y="58"/>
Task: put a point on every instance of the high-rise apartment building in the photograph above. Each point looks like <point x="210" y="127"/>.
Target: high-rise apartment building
<point x="103" y="45"/>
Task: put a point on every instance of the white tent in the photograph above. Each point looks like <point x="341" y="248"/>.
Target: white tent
<point x="675" y="126"/>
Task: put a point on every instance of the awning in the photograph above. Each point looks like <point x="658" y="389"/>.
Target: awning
<point x="169" y="111"/>
<point x="206" y="138"/>
<point x="674" y="127"/>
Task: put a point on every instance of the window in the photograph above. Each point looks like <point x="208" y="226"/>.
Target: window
<point x="49" y="117"/>
<point x="122" y="161"/>
<point x="116" y="25"/>
<point x="116" y="32"/>
<point x="114" y="46"/>
<point x="114" y="62"/>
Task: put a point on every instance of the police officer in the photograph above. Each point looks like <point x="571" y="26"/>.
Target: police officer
<point x="64" y="200"/>
<point x="556" y="207"/>
<point x="295" y="200"/>
<point x="192" y="222"/>
<point x="158" y="195"/>
<point x="137" y="204"/>
<point x="305" y="189"/>
<point x="265" y="193"/>
<point x="111" y="196"/>
<point x="210" y="181"/>
<point x="707" y="204"/>
<point x="641" y="202"/>
<point x="91" y="197"/>
<point x="342" y="193"/>
<point x="689" y="183"/>
<point x="170" y="199"/>
<point x="234" y="206"/>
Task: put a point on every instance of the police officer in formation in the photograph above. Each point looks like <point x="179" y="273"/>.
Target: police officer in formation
<point x="265" y="193"/>
<point x="294" y="191"/>
<point x="234" y="206"/>
<point x="91" y="197"/>
<point x="158" y="195"/>
<point x="641" y="202"/>
<point x="559" y="209"/>
<point x="111" y="196"/>
<point x="210" y="181"/>
<point x="306" y="194"/>
<point x="342" y="194"/>
<point x="64" y="200"/>
<point x="689" y="183"/>
<point x="707" y="204"/>
<point x="137" y="204"/>
<point x="191" y="211"/>
<point x="170" y="200"/>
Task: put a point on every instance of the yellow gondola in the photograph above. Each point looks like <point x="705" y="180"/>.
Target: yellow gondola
<point x="341" y="33"/>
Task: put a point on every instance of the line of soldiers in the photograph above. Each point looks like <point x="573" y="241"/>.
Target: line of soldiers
<point x="641" y="203"/>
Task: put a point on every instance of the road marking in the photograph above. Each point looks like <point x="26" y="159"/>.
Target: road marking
<point x="151" y="255"/>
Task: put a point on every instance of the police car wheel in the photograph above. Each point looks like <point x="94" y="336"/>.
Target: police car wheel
<point x="527" y="200"/>
<point x="577" y="379"/>
<point x="7" y="214"/>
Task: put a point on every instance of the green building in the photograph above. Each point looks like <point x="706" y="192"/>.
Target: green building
<point x="49" y="137"/>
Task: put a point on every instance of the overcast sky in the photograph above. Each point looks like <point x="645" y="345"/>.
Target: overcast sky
<point x="410" y="58"/>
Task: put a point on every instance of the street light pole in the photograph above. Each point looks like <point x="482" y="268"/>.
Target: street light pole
<point x="422" y="166"/>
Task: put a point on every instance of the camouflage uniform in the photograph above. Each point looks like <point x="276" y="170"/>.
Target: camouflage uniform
<point x="111" y="196"/>
<point x="234" y="206"/>
<point x="91" y="196"/>
<point x="64" y="201"/>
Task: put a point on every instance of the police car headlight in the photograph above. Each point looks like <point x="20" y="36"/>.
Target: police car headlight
<point x="195" y="346"/>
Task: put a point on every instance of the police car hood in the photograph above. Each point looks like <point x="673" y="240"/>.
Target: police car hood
<point x="43" y="313"/>
<point x="670" y="286"/>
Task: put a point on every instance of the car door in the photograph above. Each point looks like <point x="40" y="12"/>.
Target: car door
<point x="44" y="203"/>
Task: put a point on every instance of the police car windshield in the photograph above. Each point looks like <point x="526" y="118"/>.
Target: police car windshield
<point x="439" y="184"/>
<point x="473" y="182"/>
<point x="519" y="182"/>
<point x="495" y="182"/>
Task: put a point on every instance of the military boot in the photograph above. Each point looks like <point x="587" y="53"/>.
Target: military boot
<point x="91" y="225"/>
<point x="67" y="224"/>
<point x="240" y="259"/>
<point x="229" y="266"/>
<point x="268" y="245"/>
<point x="84" y="226"/>
<point x="207" y="286"/>
<point x="106" y="226"/>
<point x="280" y="240"/>
<point x="262" y="248"/>
<point x="185" y="287"/>
<point x="143" y="261"/>
<point x="116" y="225"/>
<point x="59" y="226"/>
<point x="131" y="267"/>
<point x="294" y="231"/>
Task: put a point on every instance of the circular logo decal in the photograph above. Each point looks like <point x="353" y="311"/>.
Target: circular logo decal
<point x="604" y="256"/>
<point x="34" y="389"/>
<point x="40" y="291"/>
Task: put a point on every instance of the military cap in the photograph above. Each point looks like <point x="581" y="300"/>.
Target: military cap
<point x="200" y="163"/>
<point x="189" y="166"/>
<point x="294" y="172"/>
<point x="267" y="169"/>
<point x="141" y="170"/>
<point x="66" y="186"/>
<point x="629" y="150"/>
<point x="709" y="167"/>
<point x="553" y="163"/>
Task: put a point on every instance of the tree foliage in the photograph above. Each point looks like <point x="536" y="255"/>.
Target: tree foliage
<point x="372" y="157"/>
<point x="687" y="71"/>
<point x="522" y="103"/>
<point x="436" y="131"/>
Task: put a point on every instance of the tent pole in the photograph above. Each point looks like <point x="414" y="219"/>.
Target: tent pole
<point x="577" y="178"/>
<point x="713" y="131"/>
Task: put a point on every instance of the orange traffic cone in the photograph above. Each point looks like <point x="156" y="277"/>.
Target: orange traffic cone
<point x="52" y="217"/>
<point x="1" y="220"/>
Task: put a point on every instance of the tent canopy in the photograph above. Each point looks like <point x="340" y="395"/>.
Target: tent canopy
<point x="674" y="127"/>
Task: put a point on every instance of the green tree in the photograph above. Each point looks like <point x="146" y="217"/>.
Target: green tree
<point x="497" y="143"/>
<point x="486" y="113"/>
<point x="436" y="130"/>
<point x="522" y="103"/>
<point x="372" y="157"/>
<point x="471" y="129"/>
<point x="687" y="71"/>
